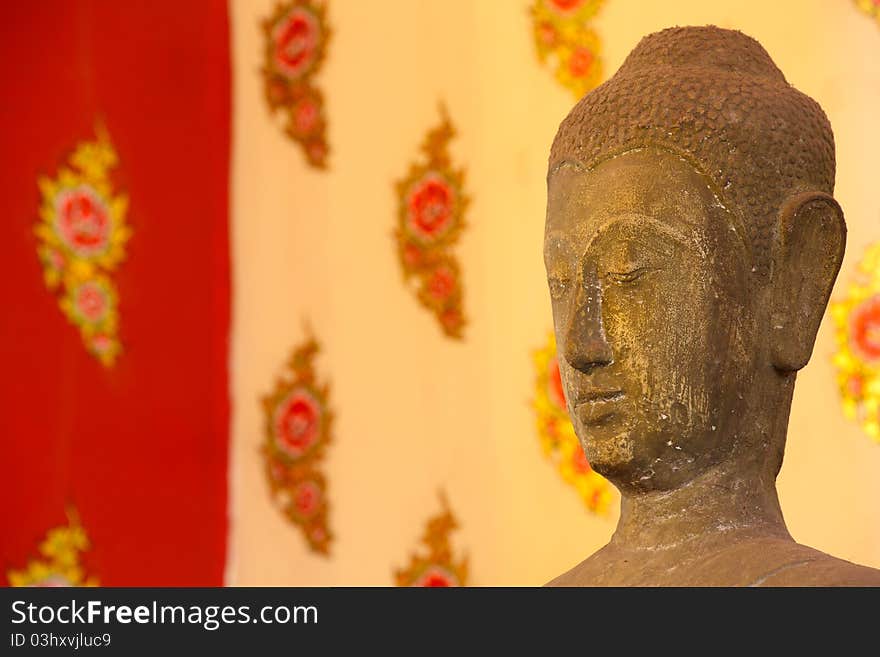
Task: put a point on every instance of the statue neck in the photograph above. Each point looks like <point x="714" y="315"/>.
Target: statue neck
<point x="735" y="497"/>
<point x="713" y="507"/>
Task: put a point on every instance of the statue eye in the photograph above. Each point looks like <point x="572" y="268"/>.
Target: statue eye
<point x="630" y="276"/>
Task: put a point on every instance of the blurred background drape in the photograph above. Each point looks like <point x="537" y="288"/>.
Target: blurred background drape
<point x="139" y="449"/>
<point x="136" y="450"/>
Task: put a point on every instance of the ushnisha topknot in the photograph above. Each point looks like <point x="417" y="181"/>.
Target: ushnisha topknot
<point x="714" y="97"/>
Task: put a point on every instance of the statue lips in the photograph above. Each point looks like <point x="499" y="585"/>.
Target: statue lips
<point x="597" y="407"/>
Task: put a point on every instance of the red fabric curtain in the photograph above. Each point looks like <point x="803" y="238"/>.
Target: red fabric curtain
<point x="138" y="449"/>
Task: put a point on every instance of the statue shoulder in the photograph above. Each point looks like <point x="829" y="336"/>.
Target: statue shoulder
<point x="595" y="570"/>
<point x="776" y="561"/>
<point x="758" y="561"/>
<point x="815" y="568"/>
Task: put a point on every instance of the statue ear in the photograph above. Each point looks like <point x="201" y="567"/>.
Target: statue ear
<point x="806" y="256"/>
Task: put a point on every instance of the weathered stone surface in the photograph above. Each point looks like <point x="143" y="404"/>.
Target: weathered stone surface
<point x="691" y="245"/>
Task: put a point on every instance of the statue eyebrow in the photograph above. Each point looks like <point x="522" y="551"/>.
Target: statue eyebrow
<point x="670" y="230"/>
<point x="660" y="226"/>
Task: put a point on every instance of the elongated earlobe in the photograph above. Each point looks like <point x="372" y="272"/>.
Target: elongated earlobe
<point x="807" y="253"/>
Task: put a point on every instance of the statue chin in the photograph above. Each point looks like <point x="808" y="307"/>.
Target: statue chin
<point x="651" y="451"/>
<point x="633" y="470"/>
<point x="613" y="458"/>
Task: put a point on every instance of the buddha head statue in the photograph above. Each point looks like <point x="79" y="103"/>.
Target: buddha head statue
<point x="691" y="245"/>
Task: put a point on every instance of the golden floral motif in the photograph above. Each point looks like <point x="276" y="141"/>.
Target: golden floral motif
<point x="81" y="237"/>
<point x="857" y="333"/>
<point x="298" y="425"/>
<point x="436" y="567"/>
<point x="296" y="37"/>
<point x="59" y="561"/>
<point x="566" y="43"/>
<point x="430" y="217"/>
<point x="558" y="439"/>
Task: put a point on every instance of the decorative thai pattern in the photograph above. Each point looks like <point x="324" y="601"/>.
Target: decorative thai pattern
<point x="870" y="7"/>
<point x="857" y="322"/>
<point x="430" y="217"/>
<point x="566" y="43"/>
<point x="558" y="439"/>
<point x="296" y="44"/>
<point x="297" y="433"/>
<point x="81" y="240"/>
<point x="435" y="567"/>
<point x="59" y="560"/>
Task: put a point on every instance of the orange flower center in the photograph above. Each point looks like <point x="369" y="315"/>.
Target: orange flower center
<point x="580" y="62"/>
<point x="297" y="423"/>
<point x="430" y="208"/>
<point x="91" y="302"/>
<point x="83" y="221"/>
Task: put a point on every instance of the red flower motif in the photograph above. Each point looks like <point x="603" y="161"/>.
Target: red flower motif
<point x="305" y="116"/>
<point x="580" y="62"/>
<point x="554" y="384"/>
<point x="307" y="498"/>
<point x="412" y="255"/>
<point x="452" y="320"/>
<point x="91" y="302"/>
<point x="442" y="283"/>
<point x="298" y="423"/>
<point x="431" y="204"/>
<point x="83" y="221"/>
<point x="317" y="152"/>
<point x="547" y="33"/>
<point x="866" y="329"/>
<point x="296" y="40"/>
<point x="101" y="343"/>
<point x="436" y="577"/>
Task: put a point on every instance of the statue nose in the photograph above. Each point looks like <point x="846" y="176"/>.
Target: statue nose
<point x="586" y="345"/>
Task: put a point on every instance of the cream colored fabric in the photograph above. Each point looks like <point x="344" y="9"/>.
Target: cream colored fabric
<point x="417" y="412"/>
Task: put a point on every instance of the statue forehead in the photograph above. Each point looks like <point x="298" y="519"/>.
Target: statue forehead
<point x="646" y="182"/>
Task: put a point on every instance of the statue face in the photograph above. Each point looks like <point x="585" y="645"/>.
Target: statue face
<point x="657" y="341"/>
